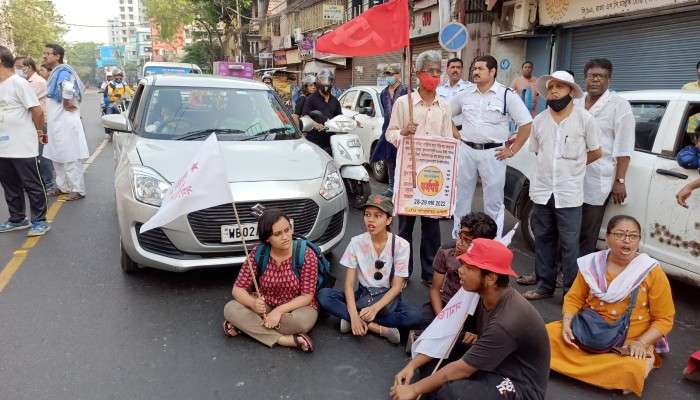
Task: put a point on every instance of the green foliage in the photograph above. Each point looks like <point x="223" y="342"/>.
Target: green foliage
<point x="82" y="56"/>
<point x="34" y="23"/>
<point x="171" y="15"/>
<point x="202" y="54"/>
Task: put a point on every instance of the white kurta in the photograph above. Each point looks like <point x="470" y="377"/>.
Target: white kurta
<point x="66" y="135"/>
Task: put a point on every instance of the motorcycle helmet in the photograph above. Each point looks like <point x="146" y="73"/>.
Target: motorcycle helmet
<point x="267" y="78"/>
<point x="325" y="80"/>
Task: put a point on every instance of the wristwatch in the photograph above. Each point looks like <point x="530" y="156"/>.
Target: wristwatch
<point x="620" y="180"/>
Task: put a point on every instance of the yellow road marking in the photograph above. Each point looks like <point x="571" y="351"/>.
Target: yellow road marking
<point x="9" y="270"/>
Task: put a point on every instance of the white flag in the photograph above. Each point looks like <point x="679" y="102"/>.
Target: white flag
<point x="508" y="237"/>
<point x="204" y="184"/>
<point x="435" y="341"/>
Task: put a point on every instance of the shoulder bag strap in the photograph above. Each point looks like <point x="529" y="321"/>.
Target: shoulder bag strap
<point x="391" y="274"/>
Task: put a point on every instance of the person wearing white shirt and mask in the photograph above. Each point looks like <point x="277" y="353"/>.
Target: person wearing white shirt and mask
<point x="564" y="140"/>
<point x="485" y="110"/>
<point x="605" y="178"/>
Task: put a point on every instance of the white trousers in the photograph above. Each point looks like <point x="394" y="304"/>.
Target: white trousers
<point x="472" y="165"/>
<point x="69" y="177"/>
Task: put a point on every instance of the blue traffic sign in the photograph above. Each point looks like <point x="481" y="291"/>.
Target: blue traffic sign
<point x="453" y="37"/>
<point x="505" y="64"/>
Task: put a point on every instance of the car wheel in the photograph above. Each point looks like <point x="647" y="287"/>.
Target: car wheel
<point x="379" y="172"/>
<point x="525" y="215"/>
<point x="128" y="265"/>
<point x="358" y="192"/>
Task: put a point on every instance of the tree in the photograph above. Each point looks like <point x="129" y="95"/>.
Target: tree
<point x="202" y="54"/>
<point x="82" y="57"/>
<point x="34" y="23"/>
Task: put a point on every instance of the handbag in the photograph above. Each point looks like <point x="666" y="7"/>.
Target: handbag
<point x="367" y="296"/>
<point x="595" y="335"/>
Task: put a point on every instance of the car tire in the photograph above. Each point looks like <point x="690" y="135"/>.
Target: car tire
<point x="378" y="168"/>
<point x="525" y="214"/>
<point x="128" y="265"/>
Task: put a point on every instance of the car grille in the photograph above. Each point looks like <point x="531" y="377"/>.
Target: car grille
<point x="333" y="230"/>
<point x="206" y="224"/>
<point x="156" y="242"/>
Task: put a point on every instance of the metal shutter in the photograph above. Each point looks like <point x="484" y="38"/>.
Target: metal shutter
<point x="649" y="53"/>
<point x="369" y="67"/>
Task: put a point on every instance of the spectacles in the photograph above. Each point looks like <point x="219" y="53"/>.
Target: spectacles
<point x="379" y="264"/>
<point x="593" y="77"/>
<point x="632" y="237"/>
<point x="465" y="236"/>
<point x="282" y="232"/>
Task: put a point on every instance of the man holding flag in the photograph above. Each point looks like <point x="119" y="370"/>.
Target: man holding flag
<point x="508" y="355"/>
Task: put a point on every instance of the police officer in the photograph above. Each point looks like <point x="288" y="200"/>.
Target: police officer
<point x="485" y="109"/>
<point x="454" y="85"/>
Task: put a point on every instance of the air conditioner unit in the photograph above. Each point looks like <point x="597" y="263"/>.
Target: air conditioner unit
<point x="517" y="16"/>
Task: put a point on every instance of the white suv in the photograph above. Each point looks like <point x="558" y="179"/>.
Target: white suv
<point x="670" y="233"/>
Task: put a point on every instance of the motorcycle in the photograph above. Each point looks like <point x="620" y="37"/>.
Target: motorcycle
<point x="347" y="153"/>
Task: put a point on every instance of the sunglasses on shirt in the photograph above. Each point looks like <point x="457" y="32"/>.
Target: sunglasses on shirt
<point x="379" y="264"/>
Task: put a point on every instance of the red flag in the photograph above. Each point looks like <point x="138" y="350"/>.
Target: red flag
<point x="381" y="29"/>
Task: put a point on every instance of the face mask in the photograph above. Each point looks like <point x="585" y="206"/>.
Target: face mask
<point x="21" y="73"/>
<point x="558" y="105"/>
<point x="428" y="82"/>
<point x="390" y="80"/>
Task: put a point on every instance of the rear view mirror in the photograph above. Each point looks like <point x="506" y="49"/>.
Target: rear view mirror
<point x="116" y="122"/>
<point x="306" y="124"/>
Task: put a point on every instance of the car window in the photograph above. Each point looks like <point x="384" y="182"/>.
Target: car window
<point x="365" y="104"/>
<point x="236" y="114"/>
<point x="347" y="100"/>
<point x="135" y="103"/>
<point x="647" y="116"/>
<point x="689" y="128"/>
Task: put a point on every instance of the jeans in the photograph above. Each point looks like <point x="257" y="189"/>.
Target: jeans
<point x="429" y="243"/>
<point x="555" y="229"/>
<point x="404" y="315"/>
<point x="591" y="220"/>
<point x="46" y="169"/>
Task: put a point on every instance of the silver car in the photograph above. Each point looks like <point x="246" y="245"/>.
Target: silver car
<point x="267" y="160"/>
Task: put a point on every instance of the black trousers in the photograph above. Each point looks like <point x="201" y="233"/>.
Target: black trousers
<point x="429" y="243"/>
<point x="20" y="175"/>
<point x="591" y="221"/>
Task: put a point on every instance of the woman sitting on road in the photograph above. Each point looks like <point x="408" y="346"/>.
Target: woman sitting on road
<point x="608" y="285"/>
<point x="379" y="260"/>
<point x="287" y="308"/>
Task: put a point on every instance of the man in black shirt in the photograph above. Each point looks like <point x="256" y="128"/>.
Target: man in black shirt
<point x="324" y="102"/>
<point x="508" y="355"/>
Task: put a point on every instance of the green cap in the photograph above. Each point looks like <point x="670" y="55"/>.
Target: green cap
<point x="392" y="69"/>
<point x="381" y="202"/>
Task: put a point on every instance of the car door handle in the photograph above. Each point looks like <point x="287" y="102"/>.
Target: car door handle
<point x="671" y="173"/>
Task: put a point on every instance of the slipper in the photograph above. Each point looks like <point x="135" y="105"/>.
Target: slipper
<point x="536" y="295"/>
<point x="527" y="279"/>
<point x="229" y="330"/>
<point x="304" y="343"/>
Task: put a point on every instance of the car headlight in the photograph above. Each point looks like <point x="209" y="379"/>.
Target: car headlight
<point x="332" y="184"/>
<point x="149" y="186"/>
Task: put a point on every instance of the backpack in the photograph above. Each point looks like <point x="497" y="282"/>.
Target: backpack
<point x="689" y="157"/>
<point x="324" y="279"/>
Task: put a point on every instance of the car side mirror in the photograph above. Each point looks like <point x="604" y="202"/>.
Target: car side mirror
<point x="116" y="122"/>
<point x="306" y="124"/>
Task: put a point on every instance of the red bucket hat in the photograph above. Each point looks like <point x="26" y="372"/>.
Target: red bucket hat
<point x="490" y="255"/>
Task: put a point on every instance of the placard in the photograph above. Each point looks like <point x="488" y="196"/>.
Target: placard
<point x="435" y="173"/>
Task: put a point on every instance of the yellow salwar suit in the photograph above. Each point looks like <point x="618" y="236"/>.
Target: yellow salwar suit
<point x="654" y="308"/>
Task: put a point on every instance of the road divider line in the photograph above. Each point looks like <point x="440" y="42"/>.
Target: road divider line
<point x="19" y="255"/>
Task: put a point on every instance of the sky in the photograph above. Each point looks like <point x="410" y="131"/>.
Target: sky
<point x="87" y="12"/>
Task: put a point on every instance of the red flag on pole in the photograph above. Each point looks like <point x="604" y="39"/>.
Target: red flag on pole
<point x="381" y="29"/>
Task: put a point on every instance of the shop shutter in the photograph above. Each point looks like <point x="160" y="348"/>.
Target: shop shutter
<point x="649" y="53"/>
<point x="343" y="76"/>
<point x="369" y="73"/>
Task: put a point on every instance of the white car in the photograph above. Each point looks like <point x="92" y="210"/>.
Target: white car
<point x="670" y="233"/>
<point x="362" y="103"/>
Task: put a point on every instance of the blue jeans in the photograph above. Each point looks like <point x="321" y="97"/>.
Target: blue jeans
<point x="46" y="169"/>
<point x="555" y="228"/>
<point x="404" y="315"/>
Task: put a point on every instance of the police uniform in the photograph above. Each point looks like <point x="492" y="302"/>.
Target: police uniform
<point x="447" y="92"/>
<point x="485" y="118"/>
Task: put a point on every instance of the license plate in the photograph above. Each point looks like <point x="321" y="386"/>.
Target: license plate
<point x="354" y="143"/>
<point x="236" y="233"/>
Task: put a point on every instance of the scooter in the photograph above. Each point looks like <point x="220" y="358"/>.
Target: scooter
<point x="347" y="153"/>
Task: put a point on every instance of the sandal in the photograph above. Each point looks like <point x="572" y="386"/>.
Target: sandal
<point x="304" y="343"/>
<point x="229" y="330"/>
<point x="527" y="279"/>
<point x="536" y="295"/>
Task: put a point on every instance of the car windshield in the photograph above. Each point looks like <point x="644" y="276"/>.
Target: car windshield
<point x="185" y="113"/>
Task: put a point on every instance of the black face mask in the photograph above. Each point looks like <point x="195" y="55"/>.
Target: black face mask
<point x="558" y="105"/>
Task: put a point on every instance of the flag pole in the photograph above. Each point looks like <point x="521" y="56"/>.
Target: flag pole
<point x="447" y="354"/>
<point x="245" y="249"/>
<point x="412" y="146"/>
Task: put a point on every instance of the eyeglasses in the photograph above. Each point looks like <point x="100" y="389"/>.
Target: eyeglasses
<point x="379" y="264"/>
<point x="632" y="237"/>
<point x="282" y="232"/>
<point x="599" y="77"/>
<point x="465" y="236"/>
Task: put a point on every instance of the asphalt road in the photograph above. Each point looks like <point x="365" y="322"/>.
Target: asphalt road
<point x="74" y="327"/>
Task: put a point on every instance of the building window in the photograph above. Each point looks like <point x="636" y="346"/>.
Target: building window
<point x="123" y="16"/>
<point x="121" y="9"/>
<point x="131" y="16"/>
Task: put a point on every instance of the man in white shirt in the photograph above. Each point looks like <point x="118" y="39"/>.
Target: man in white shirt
<point x="431" y="117"/>
<point x="485" y="109"/>
<point x="605" y="178"/>
<point x="453" y="85"/>
<point x="564" y="140"/>
<point x="21" y="125"/>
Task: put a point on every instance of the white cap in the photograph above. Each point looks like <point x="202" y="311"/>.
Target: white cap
<point x="559" y="76"/>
